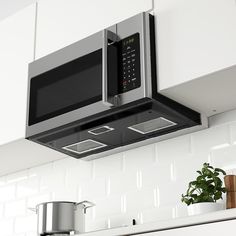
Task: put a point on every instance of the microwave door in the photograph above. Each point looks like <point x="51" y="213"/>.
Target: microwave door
<point x="73" y="83"/>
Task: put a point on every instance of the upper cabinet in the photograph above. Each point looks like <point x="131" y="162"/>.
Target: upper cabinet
<point x="197" y="53"/>
<point x="60" y="23"/>
<point x="195" y="38"/>
<point x="16" y="51"/>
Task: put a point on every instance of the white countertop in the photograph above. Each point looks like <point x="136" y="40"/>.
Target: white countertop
<point x="166" y="224"/>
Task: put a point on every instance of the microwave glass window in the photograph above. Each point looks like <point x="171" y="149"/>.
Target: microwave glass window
<point x="65" y="88"/>
<point x="68" y="91"/>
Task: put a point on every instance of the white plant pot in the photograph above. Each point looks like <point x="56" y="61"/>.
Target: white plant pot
<point x="204" y="207"/>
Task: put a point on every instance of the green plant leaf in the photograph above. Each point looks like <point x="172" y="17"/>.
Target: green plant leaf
<point x="199" y="172"/>
<point x="206" y="188"/>
<point x="220" y="170"/>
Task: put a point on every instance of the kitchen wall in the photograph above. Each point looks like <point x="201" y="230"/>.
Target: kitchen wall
<point x="144" y="183"/>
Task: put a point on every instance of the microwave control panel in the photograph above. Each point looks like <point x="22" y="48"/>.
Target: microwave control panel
<point x="130" y="76"/>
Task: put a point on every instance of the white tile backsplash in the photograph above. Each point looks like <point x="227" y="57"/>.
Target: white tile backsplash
<point x="7" y="227"/>
<point x="15" y="208"/>
<point x="107" y="166"/>
<point x="143" y="184"/>
<point x="224" y="157"/>
<point x="108" y="206"/>
<point x="1" y="210"/>
<point x="39" y="198"/>
<point x="139" y="158"/>
<point x="124" y="182"/>
<point x="26" y="224"/>
<point x="209" y="139"/>
<point x="140" y="200"/>
<point x="27" y="187"/>
<point x="7" y="193"/>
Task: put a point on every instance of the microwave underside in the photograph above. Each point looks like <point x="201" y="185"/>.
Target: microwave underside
<point x="132" y="123"/>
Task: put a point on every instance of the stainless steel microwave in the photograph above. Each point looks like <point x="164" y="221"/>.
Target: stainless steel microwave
<point x="101" y="93"/>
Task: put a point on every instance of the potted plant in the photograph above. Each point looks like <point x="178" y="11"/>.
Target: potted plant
<point x="203" y="193"/>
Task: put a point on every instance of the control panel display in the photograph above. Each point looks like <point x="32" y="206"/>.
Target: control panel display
<point x="130" y="63"/>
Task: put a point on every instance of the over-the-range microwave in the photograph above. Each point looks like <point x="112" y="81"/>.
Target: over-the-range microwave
<point x="99" y="95"/>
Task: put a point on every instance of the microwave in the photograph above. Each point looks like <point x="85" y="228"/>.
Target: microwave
<point x="100" y="94"/>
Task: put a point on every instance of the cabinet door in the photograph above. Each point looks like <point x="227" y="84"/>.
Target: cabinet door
<point x="216" y="229"/>
<point x="63" y="22"/>
<point x="194" y="38"/>
<point x="16" y="51"/>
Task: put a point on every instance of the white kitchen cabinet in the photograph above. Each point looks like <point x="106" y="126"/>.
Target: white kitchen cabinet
<point x="197" y="53"/>
<point x="16" y="51"/>
<point x="63" y="22"/>
<point x="216" y="229"/>
<point x="194" y="38"/>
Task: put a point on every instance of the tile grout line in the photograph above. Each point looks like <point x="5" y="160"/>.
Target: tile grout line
<point x="191" y="146"/>
<point x="156" y="153"/>
<point x="123" y="164"/>
<point x="230" y="134"/>
<point x="123" y="204"/>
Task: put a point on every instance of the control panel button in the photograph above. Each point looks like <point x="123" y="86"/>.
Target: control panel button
<point x="130" y="71"/>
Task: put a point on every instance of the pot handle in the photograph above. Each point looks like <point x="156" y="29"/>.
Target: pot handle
<point x="32" y="209"/>
<point x="87" y="204"/>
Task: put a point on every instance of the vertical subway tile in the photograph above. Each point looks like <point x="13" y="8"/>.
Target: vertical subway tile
<point x="65" y="194"/>
<point x="140" y="157"/>
<point x="7" y="227"/>
<point x="26" y="224"/>
<point x="212" y="138"/>
<point x="1" y="210"/>
<point x="27" y="187"/>
<point x="54" y="178"/>
<point x="170" y="194"/>
<point x="151" y="176"/>
<point x="94" y="189"/>
<point x="232" y="128"/>
<point x="108" y="165"/>
<point x="43" y="170"/>
<point x="108" y="206"/>
<point x="7" y="192"/>
<point x="123" y="182"/>
<point x="140" y="199"/>
<point x="37" y="199"/>
<point x="80" y="172"/>
<point x="224" y="157"/>
<point x="2" y="180"/>
<point x="185" y="168"/>
<point x="173" y="148"/>
<point x="15" y="208"/>
<point x="16" y="177"/>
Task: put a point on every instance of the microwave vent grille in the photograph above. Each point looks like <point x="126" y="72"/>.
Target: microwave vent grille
<point x="152" y="125"/>
<point x="84" y="146"/>
<point x="101" y="130"/>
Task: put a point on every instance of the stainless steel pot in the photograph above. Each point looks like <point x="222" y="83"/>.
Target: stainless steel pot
<point x="61" y="217"/>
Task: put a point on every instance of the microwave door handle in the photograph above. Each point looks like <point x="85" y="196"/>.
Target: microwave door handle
<point x="107" y="35"/>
